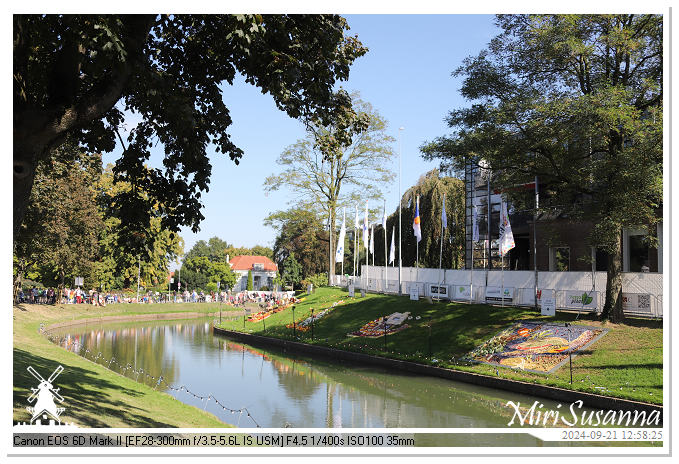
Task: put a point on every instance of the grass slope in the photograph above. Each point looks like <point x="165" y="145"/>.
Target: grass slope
<point x="626" y="363"/>
<point x="93" y="395"/>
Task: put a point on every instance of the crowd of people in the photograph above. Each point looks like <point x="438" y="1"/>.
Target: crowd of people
<point x="97" y="298"/>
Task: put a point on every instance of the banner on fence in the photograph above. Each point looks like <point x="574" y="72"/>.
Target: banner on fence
<point x="527" y="295"/>
<point x="463" y="292"/>
<point x="578" y="299"/>
<point x="636" y="302"/>
<point x="495" y="294"/>
<point x="438" y="291"/>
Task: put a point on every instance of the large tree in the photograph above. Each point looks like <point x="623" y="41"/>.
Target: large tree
<point x="300" y="232"/>
<point x="338" y="164"/>
<point x="60" y="231"/>
<point x="577" y="101"/>
<point x="74" y="74"/>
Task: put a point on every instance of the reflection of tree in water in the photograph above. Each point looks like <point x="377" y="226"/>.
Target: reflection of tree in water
<point x="118" y="341"/>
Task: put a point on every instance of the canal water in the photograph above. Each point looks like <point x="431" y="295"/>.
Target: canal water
<point x="280" y="389"/>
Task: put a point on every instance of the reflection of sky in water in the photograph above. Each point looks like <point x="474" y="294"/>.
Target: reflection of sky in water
<point x="279" y="389"/>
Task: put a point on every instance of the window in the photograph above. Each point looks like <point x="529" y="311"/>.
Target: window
<point x="601" y="258"/>
<point x="258" y="266"/>
<point x="559" y="259"/>
<point x="638" y="254"/>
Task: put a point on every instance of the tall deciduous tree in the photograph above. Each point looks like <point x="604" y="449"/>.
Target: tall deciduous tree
<point x="338" y="164"/>
<point x="61" y="228"/>
<point x="70" y="71"/>
<point x="576" y="100"/>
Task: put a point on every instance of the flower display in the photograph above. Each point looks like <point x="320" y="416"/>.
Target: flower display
<point x="384" y="325"/>
<point x="535" y="346"/>
<point x="305" y="324"/>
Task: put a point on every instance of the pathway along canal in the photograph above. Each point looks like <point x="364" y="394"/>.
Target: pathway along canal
<point x="288" y="390"/>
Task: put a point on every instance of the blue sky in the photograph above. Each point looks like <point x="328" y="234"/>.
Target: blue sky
<point x="406" y="76"/>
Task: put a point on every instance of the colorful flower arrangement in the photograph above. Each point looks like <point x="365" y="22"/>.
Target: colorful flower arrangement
<point x="384" y="325"/>
<point x="305" y="324"/>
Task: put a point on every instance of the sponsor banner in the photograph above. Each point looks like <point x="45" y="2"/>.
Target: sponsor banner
<point x="463" y="292"/>
<point x="579" y="299"/>
<point x="548" y="306"/>
<point x="528" y="295"/>
<point x="392" y="286"/>
<point x="636" y="302"/>
<point x="439" y="291"/>
<point x="494" y="294"/>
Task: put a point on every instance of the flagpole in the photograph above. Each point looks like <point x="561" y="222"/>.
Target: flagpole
<point x="443" y="231"/>
<point x="400" y="227"/>
<point x="385" y="245"/>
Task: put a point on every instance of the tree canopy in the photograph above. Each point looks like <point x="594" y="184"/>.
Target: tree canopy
<point x="577" y="101"/>
<point x="338" y="164"/>
<point x="74" y="75"/>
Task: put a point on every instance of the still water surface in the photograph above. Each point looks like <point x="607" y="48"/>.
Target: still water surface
<point x="288" y="390"/>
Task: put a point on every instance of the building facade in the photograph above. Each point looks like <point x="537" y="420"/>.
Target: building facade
<point x="262" y="268"/>
<point x="554" y="243"/>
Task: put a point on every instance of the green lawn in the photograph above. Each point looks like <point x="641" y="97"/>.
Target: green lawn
<point x="95" y="396"/>
<point x="626" y="362"/>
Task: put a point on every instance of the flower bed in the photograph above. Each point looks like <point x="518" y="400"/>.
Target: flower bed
<point x="305" y="324"/>
<point x="382" y="326"/>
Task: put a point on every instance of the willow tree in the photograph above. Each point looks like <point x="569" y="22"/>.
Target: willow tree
<point x="431" y="188"/>
<point x="338" y="165"/>
<point x="577" y="101"/>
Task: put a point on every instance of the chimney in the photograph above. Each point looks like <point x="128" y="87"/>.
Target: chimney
<point x="227" y="258"/>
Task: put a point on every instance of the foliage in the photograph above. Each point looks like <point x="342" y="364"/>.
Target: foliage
<point x="198" y="272"/>
<point x="60" y="229"/>
<point x="431" y="188"/>
<point x="250" y="285"/>
<point x="338" y="164"/>
<point x="577" y="101"/>
<point x="292" y="271"/>
<point x="118" y="267"/>
<point x="74" y="74"/>
<point x="300" y="232"/>
<point x="317" y="280"/>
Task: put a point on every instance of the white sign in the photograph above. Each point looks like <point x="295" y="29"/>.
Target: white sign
<point x="79" y="281"/>
<point x="548" y="306"/>
<point x="414" y="292"/>
<point x="440" y="291"/>
<point x="579" y="299"/>
<point x="495" y="294"/>
<point x="351" y="291"/>
<point x="172" y="280"/>
<point x="463" y="292"/>
<point x="309" y="288"/>
<point x="636" y="302"/>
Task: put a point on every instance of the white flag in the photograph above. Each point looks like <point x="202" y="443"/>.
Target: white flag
<point x="384" y="218"/>
<point x="372" y="240"/>
<point x="475" y="225"/>
<point x="392" y="251"/>
<point x="506" y="236"/>
<point x="339" y="255"/>
<point x="356" y="224"/>
<point x="365" y="227"/>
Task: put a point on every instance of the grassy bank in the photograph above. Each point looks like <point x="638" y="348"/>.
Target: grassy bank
<point x="93" y="395"/>
<point x="625" y="363"/>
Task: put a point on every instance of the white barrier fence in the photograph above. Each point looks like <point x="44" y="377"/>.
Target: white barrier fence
<point x="642" y="292"/>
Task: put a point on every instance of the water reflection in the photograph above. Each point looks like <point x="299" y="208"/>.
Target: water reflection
<point x="280" y="389"/>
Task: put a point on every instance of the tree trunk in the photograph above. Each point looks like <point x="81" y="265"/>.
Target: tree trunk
<point x="613" y="305"/>
<point x="18" y="280"/>
<point x="25" y="164"/>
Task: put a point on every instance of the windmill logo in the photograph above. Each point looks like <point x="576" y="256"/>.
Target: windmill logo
<point x="46" y="394"/>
